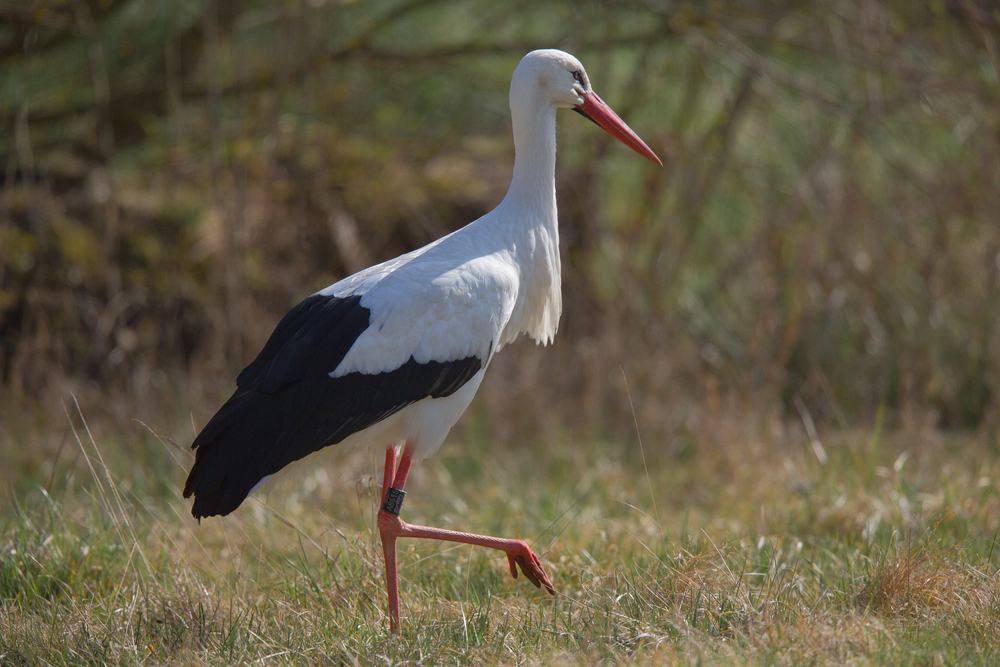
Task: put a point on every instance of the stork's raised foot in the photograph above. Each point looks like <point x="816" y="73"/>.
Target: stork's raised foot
<point x="531" y="567"/>
<point x="519" y="554"/>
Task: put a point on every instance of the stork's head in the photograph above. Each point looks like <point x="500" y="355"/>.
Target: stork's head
<point x="554" y="77"/>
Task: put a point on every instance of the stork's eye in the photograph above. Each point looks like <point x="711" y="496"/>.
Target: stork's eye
<point x="578" y="75"/>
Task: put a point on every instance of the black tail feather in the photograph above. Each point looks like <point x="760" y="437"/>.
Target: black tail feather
<point x="227" y="456"/>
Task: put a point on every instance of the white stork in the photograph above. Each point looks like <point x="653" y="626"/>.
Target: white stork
<point x="393" y="355"/>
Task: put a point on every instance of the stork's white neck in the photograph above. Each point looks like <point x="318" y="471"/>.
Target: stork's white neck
<point x="534" y="180"/>
<point x="528" y="214"/>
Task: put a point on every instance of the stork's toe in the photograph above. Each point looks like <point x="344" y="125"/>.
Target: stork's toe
<point x="531" y="568"/>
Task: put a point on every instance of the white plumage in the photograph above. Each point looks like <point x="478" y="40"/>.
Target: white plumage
<point x="394" y="354"/>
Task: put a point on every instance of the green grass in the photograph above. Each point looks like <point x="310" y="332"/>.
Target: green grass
<point x="755" y="547"/>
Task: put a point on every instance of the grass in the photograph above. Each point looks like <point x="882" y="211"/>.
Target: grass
<point x="759" y="545"/>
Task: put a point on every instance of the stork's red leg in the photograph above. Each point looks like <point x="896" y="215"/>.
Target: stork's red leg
<point x="390" y="527"/>
<point x="389" y="540"/>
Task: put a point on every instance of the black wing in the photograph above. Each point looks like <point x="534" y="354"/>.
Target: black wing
<point x="287" y="406"/>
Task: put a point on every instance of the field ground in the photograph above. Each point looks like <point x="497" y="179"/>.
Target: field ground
<point x="737" y="543"/>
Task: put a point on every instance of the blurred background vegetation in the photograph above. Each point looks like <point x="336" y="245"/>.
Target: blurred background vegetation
<point x="822" y="244"/>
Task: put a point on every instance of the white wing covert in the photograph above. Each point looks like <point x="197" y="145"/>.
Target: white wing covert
<point x="430" y="311"/>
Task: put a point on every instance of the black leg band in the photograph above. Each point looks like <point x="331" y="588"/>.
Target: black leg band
<point x="393" y="502"/>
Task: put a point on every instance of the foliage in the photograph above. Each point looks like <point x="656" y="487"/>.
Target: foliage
<point x="824" y="234"/>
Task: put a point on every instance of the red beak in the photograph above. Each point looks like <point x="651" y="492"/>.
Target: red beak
<point x="595" y="109"/>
